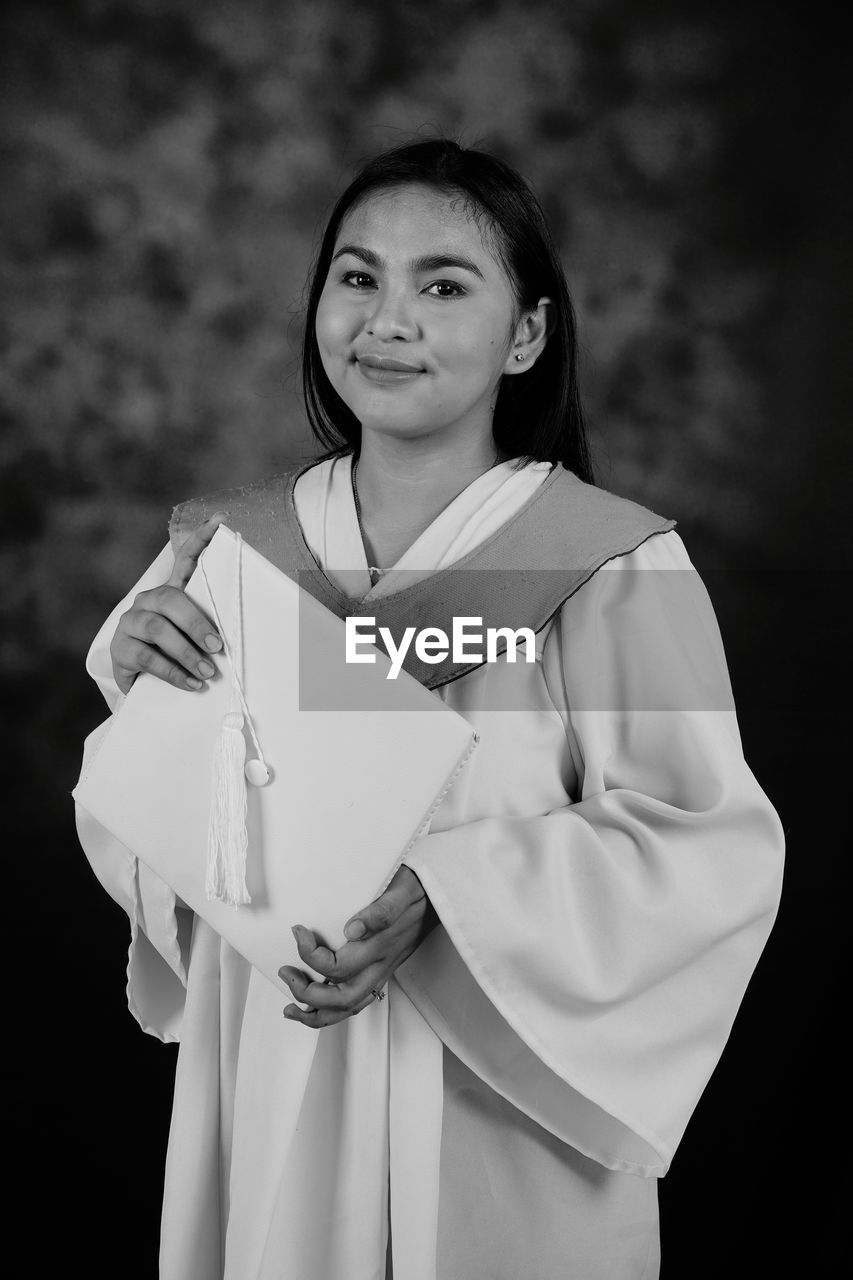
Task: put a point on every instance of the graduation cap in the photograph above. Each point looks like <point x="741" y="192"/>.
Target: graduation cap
<point x="339" y="789"/>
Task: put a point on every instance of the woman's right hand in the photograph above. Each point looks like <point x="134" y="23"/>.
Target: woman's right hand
<point x="163" y="631"/>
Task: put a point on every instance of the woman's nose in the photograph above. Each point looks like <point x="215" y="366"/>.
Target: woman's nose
<point x="392" y="316"/>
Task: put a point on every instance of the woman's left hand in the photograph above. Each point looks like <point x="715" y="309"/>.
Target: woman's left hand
<point x="382" y="936"/>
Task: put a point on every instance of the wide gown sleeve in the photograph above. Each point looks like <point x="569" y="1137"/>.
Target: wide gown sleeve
<point x="160" y="927"/>
<point x="592" y="959"/>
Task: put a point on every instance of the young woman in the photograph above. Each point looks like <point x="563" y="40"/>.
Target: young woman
<point x="501" y="1060"/>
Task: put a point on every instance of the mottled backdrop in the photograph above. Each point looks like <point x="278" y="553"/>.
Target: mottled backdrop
<point x="166" y="168"/>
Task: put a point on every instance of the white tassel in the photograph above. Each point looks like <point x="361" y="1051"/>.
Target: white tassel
<point x="227" y="839"/>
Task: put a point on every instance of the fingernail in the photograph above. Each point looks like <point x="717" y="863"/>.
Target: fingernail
<point x="205" y="669"/>
<point x="212" y="643"/>
<point x="193" y="683"/>
<point x="354" y="930"/>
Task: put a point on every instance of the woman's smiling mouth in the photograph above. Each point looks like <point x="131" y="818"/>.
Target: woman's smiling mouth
<point x="383" y="369"/>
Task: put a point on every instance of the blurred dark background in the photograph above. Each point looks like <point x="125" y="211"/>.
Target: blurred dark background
<point x="166" y="168"/>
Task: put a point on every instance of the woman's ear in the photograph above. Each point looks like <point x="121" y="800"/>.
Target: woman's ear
<point x="530" y="335"/>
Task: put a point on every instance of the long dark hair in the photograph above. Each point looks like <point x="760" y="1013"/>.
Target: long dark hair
<point x="538" y="414"/>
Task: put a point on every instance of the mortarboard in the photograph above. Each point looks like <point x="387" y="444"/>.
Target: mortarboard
<point x="356" y="763"/>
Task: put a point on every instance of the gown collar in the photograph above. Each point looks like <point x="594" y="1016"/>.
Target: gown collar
<point x="346" y="603"/>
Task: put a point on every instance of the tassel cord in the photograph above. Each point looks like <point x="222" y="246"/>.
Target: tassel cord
<point x="235" y="659"/>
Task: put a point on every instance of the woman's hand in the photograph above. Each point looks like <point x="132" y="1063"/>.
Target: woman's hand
<point x="164" y="632"/>
<point x="382" y="936"/>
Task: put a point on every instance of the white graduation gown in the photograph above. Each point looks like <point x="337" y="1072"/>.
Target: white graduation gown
<point x="605" y="881"/>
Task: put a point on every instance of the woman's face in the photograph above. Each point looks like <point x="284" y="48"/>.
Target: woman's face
<point x="413" y="284"/>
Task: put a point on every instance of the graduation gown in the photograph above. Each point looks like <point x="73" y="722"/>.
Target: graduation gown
<point x="605" y="872"/>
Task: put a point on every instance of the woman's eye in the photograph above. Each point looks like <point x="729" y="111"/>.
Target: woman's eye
<point x="358" y="279"/>
<point x="458" y="291"/>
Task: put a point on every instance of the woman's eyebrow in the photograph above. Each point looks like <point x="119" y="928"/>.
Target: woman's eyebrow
<point x="428" y="262"/>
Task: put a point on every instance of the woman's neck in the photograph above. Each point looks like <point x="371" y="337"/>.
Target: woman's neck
<point x="400" y="492"/>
